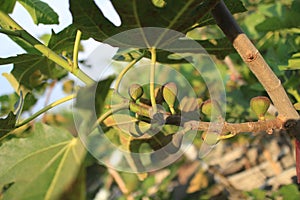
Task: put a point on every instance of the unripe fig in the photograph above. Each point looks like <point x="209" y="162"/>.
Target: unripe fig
<point x="135" y="91"/>
<point x="169" y="94"/>
<point x="210" y="138"/>
<point x="210" y="107"/>
<point x="259" y="106"/>
<point x="206" y="107"/>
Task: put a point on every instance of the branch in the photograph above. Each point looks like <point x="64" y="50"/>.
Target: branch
<point x="259" y="68"/>
<point x="228" y="129"/>
<point x="255" y="61"/>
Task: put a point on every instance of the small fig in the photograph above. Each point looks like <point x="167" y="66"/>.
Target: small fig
<point x="135" y="91"/>
<point x="169" y="94"/>
<point x="210" y="138"/>
<point x="259" y="105"/>
<point x="211" y="107"/>
<point x="206" y="107"/>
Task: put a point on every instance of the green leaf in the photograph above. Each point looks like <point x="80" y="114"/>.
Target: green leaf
<point x="7" y="6"/>
<point x="289" y="192"/>
<point x="7" y="124"/>
<point x="40" y="11"/>
<point x="64" y="40"/>
<point x="96" y="93"/>
<point x="293" y="63"/>
<point x="286" y="18"/>
<point x="40" y="166"/>
<point x="219" y="47"/>
<point x="233" y="6"/>
<point x="33" y="70"/>
<point x="179" y="15"/>
<point x="257" y="194"/>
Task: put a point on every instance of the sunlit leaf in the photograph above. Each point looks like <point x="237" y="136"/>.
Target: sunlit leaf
<point x="40" y="166"/>
<point x="40" y="11"/>
<point x="286" y="18"/>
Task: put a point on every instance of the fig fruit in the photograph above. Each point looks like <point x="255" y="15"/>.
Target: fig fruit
<point x="210" y="138"/>
<point x="135" y="91"/>
<point x="259" y="105"/>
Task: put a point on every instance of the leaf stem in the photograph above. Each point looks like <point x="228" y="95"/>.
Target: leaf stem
<point x="110" y="112"/>
<point x="125" y="70"/>
<point x="45" y="109"/>
<point x="76" y="49"/>
<point x="152" y="79"/>
<point x="10" y="27"/>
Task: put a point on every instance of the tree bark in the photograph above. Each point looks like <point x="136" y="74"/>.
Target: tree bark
<point x="259" y="67"/>
<point x="255" y="61"/>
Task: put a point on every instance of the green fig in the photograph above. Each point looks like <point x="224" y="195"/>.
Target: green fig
<point x="210" y="138"/>
<point x="135" y="91"/>
<point x="211" y="107"/>
<point x="207" y="107"/>
<point x="169" y="94"/>
<point x="259" y="105"/>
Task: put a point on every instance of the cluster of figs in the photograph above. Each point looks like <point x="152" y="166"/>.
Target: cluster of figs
<point x="210" y="108"/>
<point x="168" y="92"/>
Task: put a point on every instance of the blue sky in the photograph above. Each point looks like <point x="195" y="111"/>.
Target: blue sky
<point x="91" y="53"/>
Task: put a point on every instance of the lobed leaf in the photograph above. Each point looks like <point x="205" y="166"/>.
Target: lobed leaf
<point x="40" y="166"/>
<point x="64" y="40"/>
<point x="40" y="11"/>
<point x="177" y="15"/>
<point x="7" y="6"/>
<point x="32" y="70"/>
